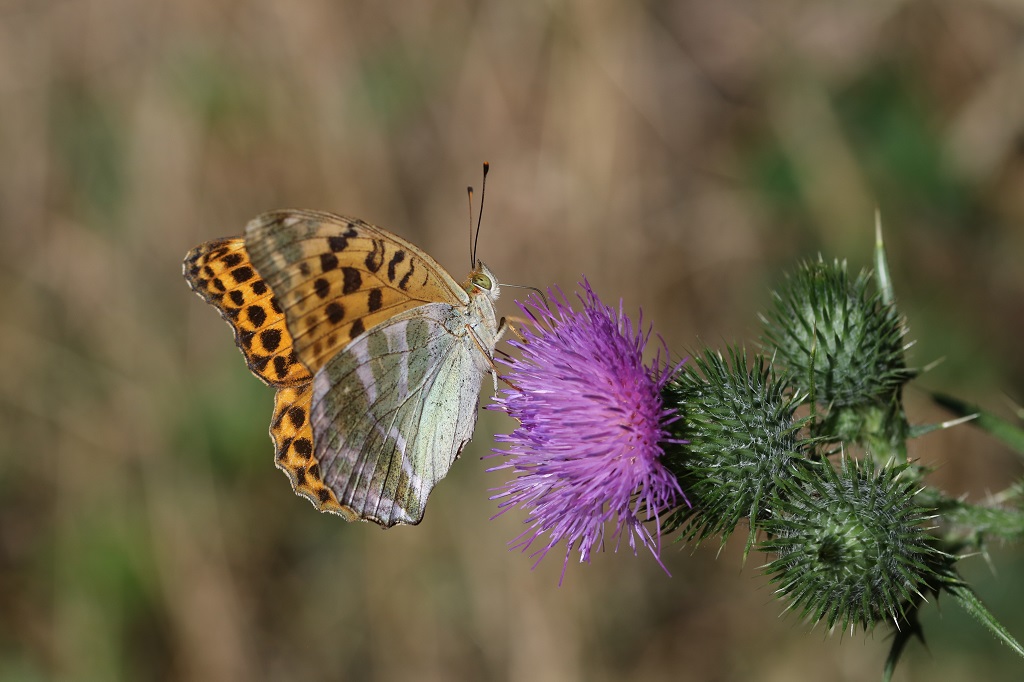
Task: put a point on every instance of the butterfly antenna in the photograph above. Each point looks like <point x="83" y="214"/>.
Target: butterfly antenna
<point x="472" y="246"/>
<point x="480" y="217"/>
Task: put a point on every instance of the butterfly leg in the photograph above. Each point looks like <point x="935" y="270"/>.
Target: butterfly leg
<point x="490" y="360"/>
<point x="507" y="322"/>
<point x="502" y="324"/>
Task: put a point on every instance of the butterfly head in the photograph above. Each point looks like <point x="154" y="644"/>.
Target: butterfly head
<point x="481" y="282"/>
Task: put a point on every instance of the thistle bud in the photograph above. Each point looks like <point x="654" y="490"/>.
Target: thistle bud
<point x="850" y="547"/>
<point x="739" y="439"/>
<point x="840" y="343"/>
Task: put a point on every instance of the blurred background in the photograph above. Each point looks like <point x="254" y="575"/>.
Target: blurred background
<point x="679" y="154"/>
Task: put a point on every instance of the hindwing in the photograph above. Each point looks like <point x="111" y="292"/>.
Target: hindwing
<point x="391" y="413"/>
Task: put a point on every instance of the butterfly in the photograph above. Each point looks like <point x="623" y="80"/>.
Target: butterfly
<point x="376" y="352"/>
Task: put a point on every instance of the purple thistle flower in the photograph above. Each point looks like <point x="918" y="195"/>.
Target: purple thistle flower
<point x="591" y="423"/>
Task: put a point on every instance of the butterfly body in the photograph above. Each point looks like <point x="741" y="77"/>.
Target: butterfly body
<point x="376" y="351"/>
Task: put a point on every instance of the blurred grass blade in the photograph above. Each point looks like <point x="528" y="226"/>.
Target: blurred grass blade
<point x="1010" y="434"/>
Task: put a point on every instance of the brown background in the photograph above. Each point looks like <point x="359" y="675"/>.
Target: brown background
<point x="679" y="154"/>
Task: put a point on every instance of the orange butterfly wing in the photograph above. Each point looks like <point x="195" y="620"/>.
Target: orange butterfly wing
<point x="336" y="277"/>
<point x="222" y="274"/>
<point x="296" y="289"/>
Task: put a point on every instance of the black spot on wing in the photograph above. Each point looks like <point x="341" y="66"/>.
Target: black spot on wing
<point x="339" y="242"/>
<point x="303" y="447"/>
<point x="297" y="416"/>
<point x="335" y="312"/>
<point x="405" y="280"/>
<point x="393" y="263"/>
<point x="271" y="339"/>
<point x="375" y="259"/>
<point x="242" y="274"/>
<point x="375" y="301"/>
<point x="353" y="280"/>
<point x="257" y="315"/>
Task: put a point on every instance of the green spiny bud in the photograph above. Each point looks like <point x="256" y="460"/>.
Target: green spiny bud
<point x="849" y="545"/>
<point x="842" y="345"/>
<point x="739" y="439"/>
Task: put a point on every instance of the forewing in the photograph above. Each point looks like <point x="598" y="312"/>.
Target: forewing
<point x="392" y="412"/>
<point x="336" y="277"/>
<point x="293" y="449"/>
<point x="223" y="275"/>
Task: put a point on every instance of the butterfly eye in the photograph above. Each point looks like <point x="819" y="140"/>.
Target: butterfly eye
<point x="482" y="281"/>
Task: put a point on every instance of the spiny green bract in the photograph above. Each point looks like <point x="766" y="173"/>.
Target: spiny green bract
<point x="739" y="439"/>
<point x="850" y="547"/>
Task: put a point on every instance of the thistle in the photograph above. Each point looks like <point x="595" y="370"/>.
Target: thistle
<point x="605" y="440"/>
<point x="589" y="446"/>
